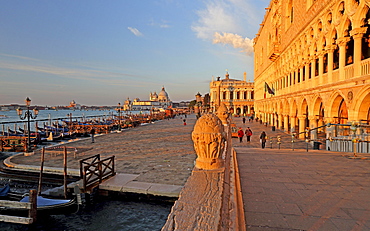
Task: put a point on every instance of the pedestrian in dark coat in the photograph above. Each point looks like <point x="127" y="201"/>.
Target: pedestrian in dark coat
<point x="92" y="133"/>
<point x="263" y="139"/>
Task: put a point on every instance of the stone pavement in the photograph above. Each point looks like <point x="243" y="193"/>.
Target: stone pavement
<point x="157" y="153"/>
<point x="257" y="128"/>
<point x="299" y="190"/>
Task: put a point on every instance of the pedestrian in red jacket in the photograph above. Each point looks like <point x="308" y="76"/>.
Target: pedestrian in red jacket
<point x="240" y="134"/>
<point x="248" y="134"/>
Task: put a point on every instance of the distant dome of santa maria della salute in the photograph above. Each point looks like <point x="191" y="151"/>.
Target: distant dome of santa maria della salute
<point x="163" y="96"/>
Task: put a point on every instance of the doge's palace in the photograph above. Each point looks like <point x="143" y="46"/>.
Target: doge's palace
<point x="312" y="68"/>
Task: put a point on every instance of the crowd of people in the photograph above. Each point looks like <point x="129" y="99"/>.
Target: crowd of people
<point x="248" y="133"/>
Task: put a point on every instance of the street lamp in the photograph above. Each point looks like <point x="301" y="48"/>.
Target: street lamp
<point x="119" y="109"/>
<point x="28" y="115"/>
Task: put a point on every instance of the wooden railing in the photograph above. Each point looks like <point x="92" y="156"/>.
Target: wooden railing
<point x="30" y="206"/>
<point x="13" y="143"/>
<point x="93" y="170"/>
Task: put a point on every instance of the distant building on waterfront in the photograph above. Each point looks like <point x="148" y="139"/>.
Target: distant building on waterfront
<point x="156" y="101"/>
<point x="312" y="66"/>
<point x="237" y="95"/>
<point x="75" y="106"/>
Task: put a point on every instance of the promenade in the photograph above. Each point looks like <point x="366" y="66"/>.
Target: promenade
<point x="299" y="190"/>
<point x="282" y="189"/>
<point x="157" y="153"/>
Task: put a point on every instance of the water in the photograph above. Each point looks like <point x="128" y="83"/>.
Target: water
<point x="9" y="118"/>
<point x="104" y="215"/>
<point x="108" y="215"/>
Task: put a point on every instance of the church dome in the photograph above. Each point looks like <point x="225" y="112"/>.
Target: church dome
<point x="163" y="95"/>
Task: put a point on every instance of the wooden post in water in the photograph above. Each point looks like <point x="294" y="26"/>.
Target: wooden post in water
<point x="41" y="170"/>
<point x="65" y="172"/>
<point x="32" y="213"/>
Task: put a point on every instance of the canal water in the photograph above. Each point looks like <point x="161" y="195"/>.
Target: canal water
<point x="106" y="214"/>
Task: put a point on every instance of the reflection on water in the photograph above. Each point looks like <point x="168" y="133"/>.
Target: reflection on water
<point x="104" y="216"/>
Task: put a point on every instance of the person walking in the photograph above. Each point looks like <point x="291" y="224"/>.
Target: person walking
<point x="240" y="134"/>
<point x="243" y="120"/>
<point x="92" y="133"/>
<point x="263" y="139"/>
<point x="248" y="134"/>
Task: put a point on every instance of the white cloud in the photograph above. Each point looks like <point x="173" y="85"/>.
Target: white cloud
<point x="223" y="22"/>
<point x="213" y="19"/>
<point x="135" y="31"/>
<point x="235" y="40"/>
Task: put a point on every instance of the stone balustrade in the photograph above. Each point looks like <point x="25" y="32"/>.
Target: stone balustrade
<point x="211" y="198"/>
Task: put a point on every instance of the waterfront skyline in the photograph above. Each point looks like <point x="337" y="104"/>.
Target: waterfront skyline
<point x="100" y="53"/>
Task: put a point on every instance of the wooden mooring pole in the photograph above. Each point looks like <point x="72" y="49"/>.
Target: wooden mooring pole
<point x="65" y="172"/>
<point x="41" y="170"/>
<point x="32" y="212"/>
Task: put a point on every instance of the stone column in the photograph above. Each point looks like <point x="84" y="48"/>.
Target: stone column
<point x="280" y="125"/>
<point x="313" y="124"/>
<point x="342" y="43"/>
<point x="357" y="35"/>
<point x="330" y="50"/>
<point x="209" y="142"/>
<point x="313" y="66"/>
<point x="286" y="123"/>
<point x="307" y="70"/>
<point x="301" y="126"/>
<point x="293" y="120"/>
<point x="321" y="66"/>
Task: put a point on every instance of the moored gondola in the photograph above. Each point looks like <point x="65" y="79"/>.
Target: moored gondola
<point x="45" y="206"/>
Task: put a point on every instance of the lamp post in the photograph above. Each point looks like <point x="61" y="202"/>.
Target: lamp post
<point x="28" y="114"/>
<point x="119" y="110"/>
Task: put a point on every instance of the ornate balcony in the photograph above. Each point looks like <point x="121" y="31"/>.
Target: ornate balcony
<point x="275" y="51"/>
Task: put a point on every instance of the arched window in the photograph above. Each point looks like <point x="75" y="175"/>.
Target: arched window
<point x="252" y="94"/>
<point x="336" y="58"/>
<point x="342" y="112"/>
<point x="366" y="39"/>
<point x="245" y="95"/>
<point x="325" y="63"/>
<point x="349" y="52"/>
<point x="224" y="95"/>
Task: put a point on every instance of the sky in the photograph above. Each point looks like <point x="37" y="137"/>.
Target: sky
<point x="101" y="52"/>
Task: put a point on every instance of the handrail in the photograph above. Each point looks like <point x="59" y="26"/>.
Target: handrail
<point x="97" y="170"/>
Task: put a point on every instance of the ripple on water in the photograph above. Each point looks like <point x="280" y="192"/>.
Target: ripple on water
<point x="104" y="216"/>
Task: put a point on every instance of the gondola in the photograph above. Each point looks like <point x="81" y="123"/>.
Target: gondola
<point x="46" y="206"/>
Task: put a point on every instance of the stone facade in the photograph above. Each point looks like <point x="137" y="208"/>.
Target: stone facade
<point x="237" y="95"/>
<point x="312" y="64"/>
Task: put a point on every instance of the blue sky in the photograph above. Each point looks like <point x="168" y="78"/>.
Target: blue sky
<point x="102" y="52"/>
